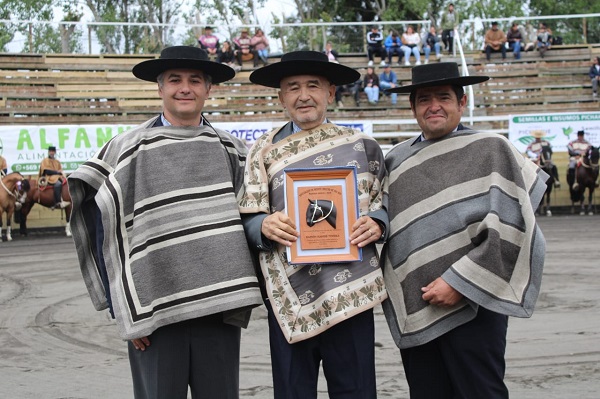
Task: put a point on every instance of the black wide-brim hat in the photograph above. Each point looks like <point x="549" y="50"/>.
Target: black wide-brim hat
<point x="183" y="57"/>
<point x="437" y="74"/>
<point x="304" y="63"/>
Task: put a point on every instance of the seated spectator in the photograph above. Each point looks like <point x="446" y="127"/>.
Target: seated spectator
<point x="595" y="76"/>
<point x="209" y="42"/>
<point x="226" y="55"/>
<point x="531" y="37"/>
<point x="243" y="48"/>
<point x="260" y="44"/>
<point x="514" y="37"/>
<point x="393" y="46"/>
<point x="544" y="40"/>
<point x="410" y="44"/>
<point x="375" y="45"/>
<point x="432" y="41"/>
<point x="389" y="80"/>
<point x="371" y="86"/>
<point x="494" y="41"/>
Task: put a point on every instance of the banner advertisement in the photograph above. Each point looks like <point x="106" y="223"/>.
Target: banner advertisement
<point x="560" y="128"/>
<point x="24" y="147"/>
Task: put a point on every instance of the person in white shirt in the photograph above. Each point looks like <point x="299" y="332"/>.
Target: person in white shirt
<point x="410" y="44"/>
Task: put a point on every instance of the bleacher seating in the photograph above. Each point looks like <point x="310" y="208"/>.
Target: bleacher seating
<point x="65" y="88"/>
<point x="38" y="89"/>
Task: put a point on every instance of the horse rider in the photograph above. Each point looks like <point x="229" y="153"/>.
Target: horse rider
<point x="537" y="148"/>
<point x="51" y="169"/>
<point x="576" y="148"/>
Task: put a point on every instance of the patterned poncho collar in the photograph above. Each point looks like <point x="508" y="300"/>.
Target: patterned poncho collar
<point x="309" y="299"/>
<point x="461" y="208"/>
<point x="174" y="246"/>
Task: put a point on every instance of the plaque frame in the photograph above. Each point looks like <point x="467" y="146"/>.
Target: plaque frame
<point x="340" y="186"/>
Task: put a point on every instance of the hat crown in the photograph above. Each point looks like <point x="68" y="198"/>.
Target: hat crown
<point x="304" y="55"/>
<point x="435" y="71"/>
<point x="184" y="52"/>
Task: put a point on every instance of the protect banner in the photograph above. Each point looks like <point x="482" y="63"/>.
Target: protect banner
<point x="560" y="128"/>
<point x="25" y="146"/>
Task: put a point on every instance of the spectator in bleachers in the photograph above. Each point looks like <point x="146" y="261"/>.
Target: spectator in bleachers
<point x="450" y="21"/>
<point x="595" y="76"/>
<point x="494" y="41"/>
<point x="209" y="42"/>
<point x="371" y="86"/>
<point x="375" y="45"/>
<point x="432" y="41"/>
<point x="260" y="43"/>
<point x="530" y="36"/>
<point x="244" y="49"/>
<point x="410" y="44"/>
<point x="393" y="46"/>
<point x="332" y="55"/>
<point x="514" y="37"/>
<point x="226" y="56"/>
<point x="389" y="80"/>
<point x="544" y="40"/>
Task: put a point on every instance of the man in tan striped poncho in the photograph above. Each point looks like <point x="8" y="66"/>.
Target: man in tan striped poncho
<point x="464" y="250"/>
<point x="317" y="312"/>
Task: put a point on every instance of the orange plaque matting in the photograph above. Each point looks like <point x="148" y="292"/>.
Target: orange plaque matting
<point x="323" y="203"/>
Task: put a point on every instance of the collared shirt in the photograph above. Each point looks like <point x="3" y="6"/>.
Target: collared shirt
<point x="165" y="122"/>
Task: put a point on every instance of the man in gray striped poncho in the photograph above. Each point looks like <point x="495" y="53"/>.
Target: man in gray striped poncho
<point x="464" y="250"/>
<point x="160" y="240"/>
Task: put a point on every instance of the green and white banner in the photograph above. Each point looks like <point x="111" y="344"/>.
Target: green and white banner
<point x="25" y="146"/>
<point x="560" y="128"/>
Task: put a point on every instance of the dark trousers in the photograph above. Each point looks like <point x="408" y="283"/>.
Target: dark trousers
<point x="347" y="351"/>
<point x="489" y="50"/>
<point x="203" y="353"/>
<point x="466" y="363"/>
<point x="376" y="50"/>
<point x="57" y="191"/>
<point x="448" y="39"/>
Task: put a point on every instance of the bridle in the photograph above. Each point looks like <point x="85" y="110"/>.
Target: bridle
<point x="316" y="208"/>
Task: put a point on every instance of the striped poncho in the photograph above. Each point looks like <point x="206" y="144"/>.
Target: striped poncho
<point x="462" y="208"/>
<point x="309" y="299"/>
<point x="174" y="246"/>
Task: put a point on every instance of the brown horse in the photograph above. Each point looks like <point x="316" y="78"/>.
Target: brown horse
<point x="45" y="197"/>
<point x="13" y="193"/>
<point x="586" y="176"/>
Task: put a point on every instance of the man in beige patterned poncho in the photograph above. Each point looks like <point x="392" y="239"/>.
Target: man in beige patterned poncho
<point x="317" y="312"/>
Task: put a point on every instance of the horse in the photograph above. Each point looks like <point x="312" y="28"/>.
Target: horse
<point x="586" y="175"/>
<point x="44" y="197"/>
<point x="548" y="166"/>
<point x="13" y="194"/>
<point x="319" y="210"/>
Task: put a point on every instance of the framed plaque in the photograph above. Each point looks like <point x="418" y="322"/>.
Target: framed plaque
<point x="323" y="203"/>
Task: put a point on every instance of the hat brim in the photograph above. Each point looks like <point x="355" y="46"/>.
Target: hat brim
<point x="271" y="75"/>
<point x="150" y="69"/>
<point x="460" y="81"/>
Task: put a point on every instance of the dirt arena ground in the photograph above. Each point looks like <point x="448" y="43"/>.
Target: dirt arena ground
<point x="53" y="344"/>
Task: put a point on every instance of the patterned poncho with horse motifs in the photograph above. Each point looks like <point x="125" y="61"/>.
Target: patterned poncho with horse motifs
<point x="461" y="208"/>
<point x="174" y="246"/>
<point x="308" y="299"/>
